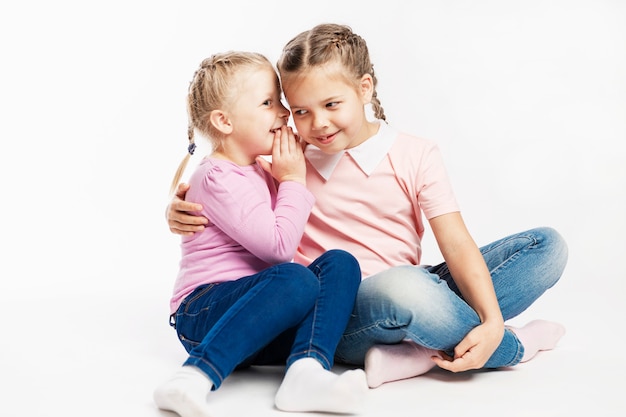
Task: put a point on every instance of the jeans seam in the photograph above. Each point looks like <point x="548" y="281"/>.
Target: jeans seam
<point x="314" y="319"/>
<point x="505" y="241"/>
<point x="310" y="353"/>
<point x="197" y="361"/>
<point x="514" y="256"/>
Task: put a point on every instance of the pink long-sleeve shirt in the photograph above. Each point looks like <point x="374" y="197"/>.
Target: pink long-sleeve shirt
<point x="255" y="223"/>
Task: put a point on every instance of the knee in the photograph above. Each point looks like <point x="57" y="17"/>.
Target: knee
<point x="339" y="264"/>
<point x="300" y="282"/>
<point x="406" y="287"/>
<point x="349" y="265"/>
<point x="556" y="246"/>
<point x="340" y="255"/>
<point x="556" y="251"/>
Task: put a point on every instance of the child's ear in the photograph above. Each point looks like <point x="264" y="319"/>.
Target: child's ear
<point x="220" y="120"/>
<point x="366" y="88"/>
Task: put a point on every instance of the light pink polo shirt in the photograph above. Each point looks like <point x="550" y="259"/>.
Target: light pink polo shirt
<point x="370" y="200"/>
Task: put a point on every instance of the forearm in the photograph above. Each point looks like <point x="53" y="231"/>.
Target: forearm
<point x="466" y="265"/>
<point x="471" y="275"/>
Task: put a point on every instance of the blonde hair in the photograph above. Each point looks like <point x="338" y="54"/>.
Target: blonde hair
<point x="213" y="87"/>
<point x="330" y="43"/>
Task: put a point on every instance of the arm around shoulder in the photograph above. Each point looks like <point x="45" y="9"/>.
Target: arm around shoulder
<point x="177" y="214"/>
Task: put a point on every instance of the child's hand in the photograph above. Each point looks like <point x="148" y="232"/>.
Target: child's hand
<point x="287" y="158"/>
<point x="303" y="143"/>
<point x="474" y="350"/>
<point x="178" y="218"/>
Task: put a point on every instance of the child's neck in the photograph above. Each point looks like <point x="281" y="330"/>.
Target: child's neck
<point x="369" y="130"/>
<point x="238" y="160"/>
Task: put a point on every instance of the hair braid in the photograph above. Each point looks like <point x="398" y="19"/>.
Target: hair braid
<point x="326" y="43"/>
<point x="212" y="87"/>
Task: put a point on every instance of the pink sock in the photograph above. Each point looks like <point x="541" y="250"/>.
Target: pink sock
<point x="538" y="335"/>
<point x="386" y="363"/>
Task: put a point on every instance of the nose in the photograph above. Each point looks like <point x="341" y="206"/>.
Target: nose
<point x="319" y="122"/>
<point x="283" y="112"/>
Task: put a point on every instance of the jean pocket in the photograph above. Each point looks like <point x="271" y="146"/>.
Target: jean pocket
<point x="187" y="343"/>
<point x="190" y="306"/>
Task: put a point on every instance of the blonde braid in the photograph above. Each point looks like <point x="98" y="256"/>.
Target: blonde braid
<point x="212" y="87"/>
<point x="326" y="43"/>
<point x="183" y="164"/>
<point x="379" y="112"/>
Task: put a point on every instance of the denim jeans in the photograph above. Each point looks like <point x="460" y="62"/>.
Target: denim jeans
<point x="425" y="305"/>
<point x="284" y="313"/>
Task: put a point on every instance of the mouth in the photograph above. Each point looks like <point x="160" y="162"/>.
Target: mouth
<point x="326" y="139"/>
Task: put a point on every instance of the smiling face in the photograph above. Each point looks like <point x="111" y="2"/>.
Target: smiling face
<point x="252" y="116"/>
<point x="328" y="110"/>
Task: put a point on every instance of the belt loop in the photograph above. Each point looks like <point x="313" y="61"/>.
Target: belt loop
<point x="173" y="320"/>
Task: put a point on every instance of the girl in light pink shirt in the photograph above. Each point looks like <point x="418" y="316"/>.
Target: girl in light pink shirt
<point x="373" y="187"/>
<point x="238" y="299"/>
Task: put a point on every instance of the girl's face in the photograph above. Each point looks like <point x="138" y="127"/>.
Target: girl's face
<point x="328" y="111"/>
<point x="254" y="116"/>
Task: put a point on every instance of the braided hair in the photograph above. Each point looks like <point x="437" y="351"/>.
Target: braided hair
<point x="213" y="87"/>
<point x="330" y="43"/>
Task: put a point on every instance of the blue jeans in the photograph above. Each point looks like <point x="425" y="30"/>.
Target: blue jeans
<point x="284" y="313"/>
<point x="425" y="305"/>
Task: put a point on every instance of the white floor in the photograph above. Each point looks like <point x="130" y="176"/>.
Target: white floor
<point x="526" y="99"/>
<point x="103" y="356"/>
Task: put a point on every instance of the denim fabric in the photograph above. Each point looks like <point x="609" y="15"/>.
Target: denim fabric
<point x="283" y="313"/>
<point x="425" y="305"/>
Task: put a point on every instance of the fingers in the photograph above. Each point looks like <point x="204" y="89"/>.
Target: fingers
<point x="178" y="202"/>
<point x="300" y="141"/>
<point x="291" y="141"/>
<point x="464" y="361"/>
<point x="457" y="365"/>
<point x="189" y="219"/>
<point x="265" y="164"/>
<point x="178" y="219"/>
<point x="464" y="358"/>
<point x="178" y="205"/>
<point x="185" y="224"/>
<point x="445" y="356"/>
<point x="285" y="146"/>
<point x="464" y="346"/>
<point x="183" y="229"/>
<point x="288" y="162"/>
<point x="473" y="351"/>
<point x="181" y="190"/>
<point x="276" y="146"/>
<point x="284" y="142"/>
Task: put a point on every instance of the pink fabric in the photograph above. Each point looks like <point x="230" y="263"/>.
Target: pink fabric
<point x="255" y="224"/>
<point x="377" y="217"/>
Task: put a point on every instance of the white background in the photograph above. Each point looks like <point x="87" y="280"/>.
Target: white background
<point x="527" y="100"/>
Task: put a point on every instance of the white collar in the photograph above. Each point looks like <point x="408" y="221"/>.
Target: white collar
<point x="367" y="155"/>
